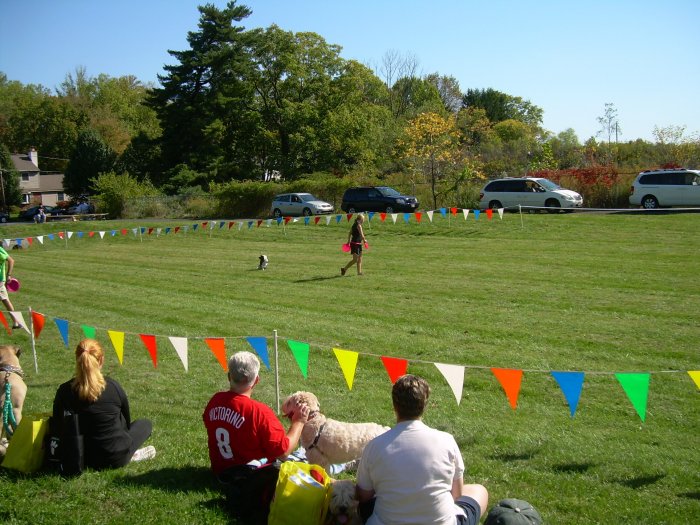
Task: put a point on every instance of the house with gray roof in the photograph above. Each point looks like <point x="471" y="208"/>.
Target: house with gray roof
<point x="37" y="187"/>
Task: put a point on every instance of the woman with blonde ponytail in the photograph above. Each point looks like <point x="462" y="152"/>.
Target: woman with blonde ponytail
<point x="110" y="438"/>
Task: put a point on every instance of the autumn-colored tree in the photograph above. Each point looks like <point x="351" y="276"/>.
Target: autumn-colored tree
<point x="430" y="145"/>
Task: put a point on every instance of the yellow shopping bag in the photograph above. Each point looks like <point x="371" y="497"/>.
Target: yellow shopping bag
<point x="26" y="450"/>
<point x="301" y="496"/>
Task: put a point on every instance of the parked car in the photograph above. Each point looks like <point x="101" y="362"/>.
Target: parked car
<point x="4" y="217"/>
<point x="83" y="207"/>
<point x="674" y="187"/>
<point x="527" y="191"/>
<point x="377" y="198"/>
<point x="29" y="213"/>
<point x="287" y="204"/>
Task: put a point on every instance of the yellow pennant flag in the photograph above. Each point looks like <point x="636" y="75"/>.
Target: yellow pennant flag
<point x="348" y="363"/>
<point x="695" y="374"/>
<point x="117" y="339"/>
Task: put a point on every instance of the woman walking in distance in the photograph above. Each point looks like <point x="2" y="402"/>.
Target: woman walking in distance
<point x="356" y="238"/>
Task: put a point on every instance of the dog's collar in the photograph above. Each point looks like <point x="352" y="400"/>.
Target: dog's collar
<point x="12" y="369"/>
<point x="318" y="436"/>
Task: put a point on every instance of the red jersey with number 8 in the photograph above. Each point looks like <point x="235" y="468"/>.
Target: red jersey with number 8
<point x="240" y="430"/>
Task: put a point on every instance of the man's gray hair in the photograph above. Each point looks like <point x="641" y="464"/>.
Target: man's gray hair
<point x="243" y="369"/>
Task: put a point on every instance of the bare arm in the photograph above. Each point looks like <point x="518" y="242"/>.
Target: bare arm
<point x="10" y="266"/>
<point x="457" y="488"/>
<point x="363" y="495"/>
<point x="300" y="416"/>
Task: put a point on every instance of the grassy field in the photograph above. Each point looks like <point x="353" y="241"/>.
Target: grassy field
<point x="597" y="293"/>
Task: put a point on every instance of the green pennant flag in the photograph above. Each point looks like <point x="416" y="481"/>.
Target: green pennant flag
<point x="636" y="386"/>
<point x="301" y="354"/>
<point x="89" y="331"/>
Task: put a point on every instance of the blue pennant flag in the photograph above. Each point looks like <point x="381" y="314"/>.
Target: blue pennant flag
<point x="143" y="230"/>
<point x="62" y="325"/>
<point x="571" y="383"/>
<point x="250" y="224"/>
<point x="370" y="215"/>
<point x="114" y="233"/>
<point x="167" y="230"/>
<point x="259" y="344"/>
<point x="279" y="220"/>
<point x="337" y="218"/>
<point x="476" y="215"/>
<point x="194" y="227"/>
<point x="306" y="220"/>
<point x="50" y="236"/>
<point x="443" y="212"/>
<point x="80" y="235"/>
<point x="406" y="216"/>
<point x="221" y="224"/>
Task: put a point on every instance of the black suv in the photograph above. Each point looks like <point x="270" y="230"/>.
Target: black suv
<point x="377" y="198"/>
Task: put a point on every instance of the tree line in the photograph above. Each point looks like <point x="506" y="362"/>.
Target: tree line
<point x="265" y="103"/>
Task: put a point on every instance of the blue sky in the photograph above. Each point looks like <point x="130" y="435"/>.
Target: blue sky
<point x="569" y="58"/>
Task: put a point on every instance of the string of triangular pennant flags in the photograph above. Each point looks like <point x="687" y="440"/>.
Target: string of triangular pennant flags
<point x="635" y="385"/>
<point x="209" y="226"/>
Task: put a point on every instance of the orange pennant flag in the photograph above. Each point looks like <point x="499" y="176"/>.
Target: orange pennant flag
<point x="395" y="367"/>
<point x="38" y="321"/>
<point x="489" y="213"/>
<point x="218" y="348"/>
<point x="510" y="381"/>
<point x="60" y="235"/>
<point x="30" y="240"/>
<point x="418" y="216"/>
<point x="4" y="322"/>
<point x="150" y="342"/>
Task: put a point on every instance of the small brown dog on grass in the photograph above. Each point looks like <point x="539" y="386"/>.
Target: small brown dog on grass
<point x="10" y="374"/>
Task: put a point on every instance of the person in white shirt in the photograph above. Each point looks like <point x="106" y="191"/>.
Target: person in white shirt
<point x="413" y="474"/>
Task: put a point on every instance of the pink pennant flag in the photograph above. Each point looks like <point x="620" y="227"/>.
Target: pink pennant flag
<point x="150" y="342"/>
<point x="395" y="367"/>
<point x="510" y="381"/>
<point x="218" y="348"/>
<point x="348" y="364"/>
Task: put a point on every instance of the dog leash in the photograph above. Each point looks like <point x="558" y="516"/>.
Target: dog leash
<point x="9" y="422"/>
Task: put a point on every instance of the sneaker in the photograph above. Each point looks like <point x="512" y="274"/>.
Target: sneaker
<point x="148" y="452"/>
<point x="342" y="271"/>
<point x="16" y="326"/>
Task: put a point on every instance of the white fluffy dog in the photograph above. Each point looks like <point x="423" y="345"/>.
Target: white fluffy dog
<point x="326" y="440"/>
<point x="342" y="508"/>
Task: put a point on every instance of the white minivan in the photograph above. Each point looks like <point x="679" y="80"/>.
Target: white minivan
<point x="673" y="187"/>
<point x="530" y="192"/>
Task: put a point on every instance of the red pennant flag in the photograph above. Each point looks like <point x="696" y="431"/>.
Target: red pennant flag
<point x="316" y="219"/>
<point x="287" y="219"/>
<point x="489" y="213"/>
<point x="91" y="234"/>
<point x="395" y="367"/>
<point x="382" y="216"/>
<point x="4" y="321"/>
<point x="177" y="229"/>
<point x="418" y="216"/>
<point x="259" y="222"/>
<point x="218" y="348"/>
<point x="205" y="224"/>
<point x="231" y="223"/>
<point x="150" y="342"/>
<point x="349" y="216"/>
<point x="38" y="321"/>
<point x="30" y="240"/>
<point x="453" y="211"/>
<point x="124" y="231"/>
<point x="60" y="234"/>
<point x="150" y="231"/>
<point x="510" y="381"/>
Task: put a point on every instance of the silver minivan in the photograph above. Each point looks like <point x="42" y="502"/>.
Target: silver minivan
<point x="673" y="187"/>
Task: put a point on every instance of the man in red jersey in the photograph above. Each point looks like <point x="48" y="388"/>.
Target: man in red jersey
<point x="245" y="438"/>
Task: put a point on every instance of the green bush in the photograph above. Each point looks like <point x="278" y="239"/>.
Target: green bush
<point x="114" y="190"/>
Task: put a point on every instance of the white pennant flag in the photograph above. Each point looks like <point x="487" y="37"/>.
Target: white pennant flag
<point x="295" y="219"/>
<point x="393" y="217"/>
<point x="135" y="230"/>
<point x="240" y="225"/>
<point x="268" y="222"/>
<point x="40" y="238"/>
<point x="19" y="319"/>
<point x="212" y="224"/>
<point x="500" y="212"/>
<point x="102" y="235"/>
<point x="465" y="212"/>
<point x="70" y="234"/>
<point x="454" y="374"/>
<point x="328" y="220"/>
<point x="158" y="230"/>
<point x="180" y="346"/>
<point x="430" y="215"/>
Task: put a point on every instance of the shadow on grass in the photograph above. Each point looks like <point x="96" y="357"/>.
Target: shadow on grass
<point x="192" y="479"/>
<point x="321" y="278"/>
<point x="690" y="495"/>
<point x="640" y="481"/>
<point x="522" y="456"/>
<point x="572" y="468"/>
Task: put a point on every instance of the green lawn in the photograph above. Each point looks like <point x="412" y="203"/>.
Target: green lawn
<point x="602" y="294"/>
